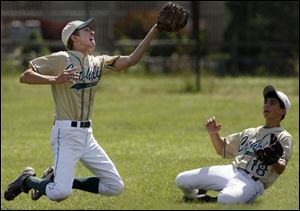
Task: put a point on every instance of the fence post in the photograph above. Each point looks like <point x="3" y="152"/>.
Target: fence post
<point x="195" y="5"/>
<point x="235" y="54"/>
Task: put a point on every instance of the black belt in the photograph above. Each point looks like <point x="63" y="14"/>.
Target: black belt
<point x="252" y="177"/>
<point x="82" y="124"/>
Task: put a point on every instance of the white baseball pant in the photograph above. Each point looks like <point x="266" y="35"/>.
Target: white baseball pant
<point x="235" y="185"/>
<point x="71" y="144"/>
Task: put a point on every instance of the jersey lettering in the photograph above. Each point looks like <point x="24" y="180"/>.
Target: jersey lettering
<point x="89" y="75"/>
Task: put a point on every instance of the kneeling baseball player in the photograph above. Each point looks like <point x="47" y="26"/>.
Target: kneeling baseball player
<point x="260" y="155"/>
<point x="74" y="75"/>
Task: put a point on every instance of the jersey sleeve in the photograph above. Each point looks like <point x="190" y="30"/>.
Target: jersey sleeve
<point x="52" y="64"/>
<point x="286" y="141"/>
<point x="108" y="62"/>
<point x="231" y="145"/>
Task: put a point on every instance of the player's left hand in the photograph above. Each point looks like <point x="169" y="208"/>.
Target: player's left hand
<point x="172" y="17"/>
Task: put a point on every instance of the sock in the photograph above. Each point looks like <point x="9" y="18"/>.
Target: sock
<point x="89" y="184"/>
<point x="37" y="183"/>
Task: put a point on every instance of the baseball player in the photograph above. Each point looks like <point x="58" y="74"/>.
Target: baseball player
<point x="74" y="76"/>
<point x="259" y="155"/>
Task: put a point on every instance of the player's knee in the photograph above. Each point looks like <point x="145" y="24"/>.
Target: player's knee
<point x="180" y="180"/>
<point x="59" y="195"/>
<point x="119" y="188"/>
<point x="112" y="189"/>
<point x="224" y="198"/>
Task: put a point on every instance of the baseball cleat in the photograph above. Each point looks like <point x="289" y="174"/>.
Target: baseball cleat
<point x="17" y="186"/>
<point x="201" y="191"/>
<point x="48" y="176"/>
<point x="201" y="197"/>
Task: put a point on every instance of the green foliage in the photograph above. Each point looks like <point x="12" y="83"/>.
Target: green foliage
<point x="169" y="52"/>
<point x="33" y="47"/>
<point x="136" y="26"/>
<point x="152" y="130"/>
<point x="264" y="36"/>
<point x="216" y="64"/>
<point x="10" y="66"/>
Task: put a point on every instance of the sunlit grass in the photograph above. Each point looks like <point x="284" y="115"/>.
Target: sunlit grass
<point x="152" y="127"/>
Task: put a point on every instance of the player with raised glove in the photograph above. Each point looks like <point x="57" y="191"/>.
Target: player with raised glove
<point x="172" y="17"/>
<point x="74" y="98"/>
<point x="271" y="154"/>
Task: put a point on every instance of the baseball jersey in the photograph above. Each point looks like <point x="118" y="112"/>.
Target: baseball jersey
<point x="74" y="101"/>
<point x="240" y="146"/>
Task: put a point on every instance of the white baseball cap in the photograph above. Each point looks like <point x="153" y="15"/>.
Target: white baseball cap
<point x="281" y="96"/>
<point x="74" y="25"/>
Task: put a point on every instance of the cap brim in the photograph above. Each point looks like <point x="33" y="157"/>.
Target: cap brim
<point x="90" y="22"/>
<point x="269" y="89"/>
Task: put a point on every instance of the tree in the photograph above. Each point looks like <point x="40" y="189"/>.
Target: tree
<point x="265" y="32"/>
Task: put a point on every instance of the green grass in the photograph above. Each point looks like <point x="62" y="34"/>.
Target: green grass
<point x="152" y="129"/>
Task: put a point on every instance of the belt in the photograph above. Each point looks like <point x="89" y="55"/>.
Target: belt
<point x="77" y="124"/>
<point x="252" y="177"/>
<point x="81" y="124"/>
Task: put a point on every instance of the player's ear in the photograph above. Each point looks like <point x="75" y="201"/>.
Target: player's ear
<point x="74" y="37"/>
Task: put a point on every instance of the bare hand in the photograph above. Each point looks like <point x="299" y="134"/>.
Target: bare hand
<point x="70" y="75"/>
<point x="212" y="126"/>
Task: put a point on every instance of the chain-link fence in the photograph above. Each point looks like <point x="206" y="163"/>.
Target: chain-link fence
<point x="235" y="37"/>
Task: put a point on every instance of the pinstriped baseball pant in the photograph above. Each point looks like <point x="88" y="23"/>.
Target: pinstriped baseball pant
<point x="70" y="145"/>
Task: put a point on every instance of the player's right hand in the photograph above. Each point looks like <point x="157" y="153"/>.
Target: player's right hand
<point x="212" y="126"/>
<point x="70" y="75"/>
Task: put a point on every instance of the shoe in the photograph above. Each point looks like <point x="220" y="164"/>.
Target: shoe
<point x="201" y="198"/>
<point x="201" y="191"/>
<point x="17" y="186"/>
<point x="207" y="198"/>
<point x="48" y="176"/>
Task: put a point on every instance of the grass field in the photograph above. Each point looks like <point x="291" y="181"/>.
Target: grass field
<point x="153" y="129"/>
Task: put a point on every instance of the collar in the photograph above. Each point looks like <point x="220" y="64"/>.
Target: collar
<point x="78" y="54"/>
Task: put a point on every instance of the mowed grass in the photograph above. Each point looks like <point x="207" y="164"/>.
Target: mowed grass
<point x="152" y="129"/>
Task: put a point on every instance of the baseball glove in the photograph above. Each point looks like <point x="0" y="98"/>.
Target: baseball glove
<point x="271" y="154"/>
<point x="172" y="17"/>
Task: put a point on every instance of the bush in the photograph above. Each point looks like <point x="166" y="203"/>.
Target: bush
<point x="10" y="66"/>
<point x="263" y="37"/>
<point x="172" y="52"/>
<point x="33" y="47"/>
<point x="136" y="25"/>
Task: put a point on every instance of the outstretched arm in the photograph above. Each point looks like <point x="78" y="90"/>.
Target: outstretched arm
<point x="126" y="61"/>
<point x="32" y="77"/>
<point x="213" y="130"/>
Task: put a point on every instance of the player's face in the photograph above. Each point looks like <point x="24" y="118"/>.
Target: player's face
<point x="86" y="39"/>
<point x="272" y="110"/>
